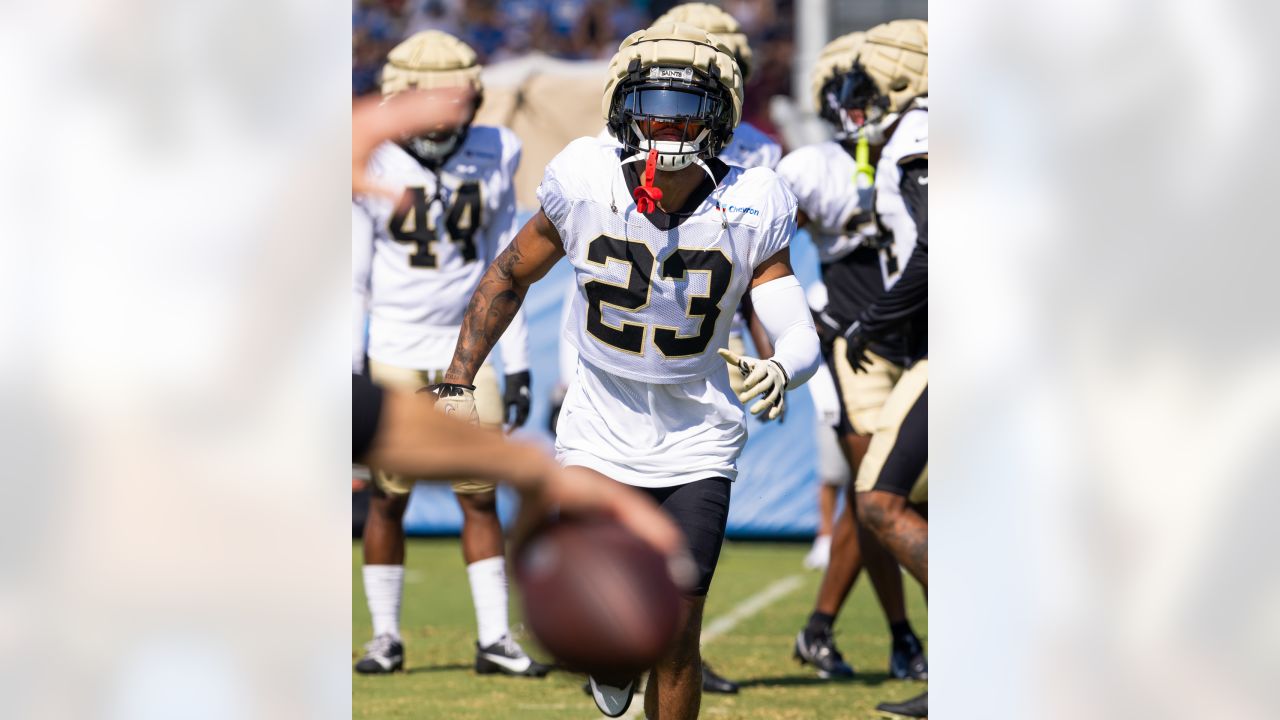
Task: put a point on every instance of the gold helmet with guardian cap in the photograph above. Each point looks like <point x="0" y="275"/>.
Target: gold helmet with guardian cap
<point x="895" y="57"/>
<point x="676" y="89"/>
<point x="717" y="22"/>
<point x="834" y="63"/>
<point x="426" y="61"/>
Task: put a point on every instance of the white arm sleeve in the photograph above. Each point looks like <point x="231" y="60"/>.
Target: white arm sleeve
<point x="780" y="304"/>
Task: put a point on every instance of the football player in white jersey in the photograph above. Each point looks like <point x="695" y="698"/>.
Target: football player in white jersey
<point x="890" y="87"/>
<point x="833" y="184"/>
<point x="664" y="240"/>
<point x="428" y="254"/>
<point x="749" y="148"/>
<point x="896" y="59"/>
<point x="893" y="64"/>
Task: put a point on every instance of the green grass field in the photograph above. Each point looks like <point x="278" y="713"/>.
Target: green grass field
<point x="439" y="631"/>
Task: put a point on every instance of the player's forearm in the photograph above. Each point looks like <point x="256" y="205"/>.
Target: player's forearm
<point x="514" y="345"/>
<point x="908" y="297"/>
<point x="493" y="305"/>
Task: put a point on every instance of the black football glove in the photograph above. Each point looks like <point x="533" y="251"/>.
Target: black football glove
<point x="515" y="396"/>
<point x="856" y="347"/>
<point x="828" y="330"/>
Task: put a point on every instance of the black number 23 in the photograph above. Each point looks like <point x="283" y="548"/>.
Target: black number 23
<point x="634" y="295"/>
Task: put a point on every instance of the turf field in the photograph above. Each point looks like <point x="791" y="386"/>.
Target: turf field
<point x="439" y="631"/>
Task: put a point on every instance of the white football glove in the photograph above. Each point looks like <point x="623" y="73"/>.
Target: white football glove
<point x="761" y="377"/>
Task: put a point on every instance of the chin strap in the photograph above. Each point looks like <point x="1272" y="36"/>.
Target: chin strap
<point x="646" y="194"/>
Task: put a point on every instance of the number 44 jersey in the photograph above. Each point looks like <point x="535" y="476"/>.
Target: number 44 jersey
<point x="430" y="252"/>
<point x="656" y="293"/>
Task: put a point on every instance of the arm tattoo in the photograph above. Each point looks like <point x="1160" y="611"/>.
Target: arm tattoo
<point x="494" y="303"/>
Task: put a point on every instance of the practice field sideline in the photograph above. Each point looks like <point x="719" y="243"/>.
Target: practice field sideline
<point x="439" y="633"/>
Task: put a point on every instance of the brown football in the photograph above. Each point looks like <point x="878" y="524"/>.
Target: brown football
<point x="597" y="597"/>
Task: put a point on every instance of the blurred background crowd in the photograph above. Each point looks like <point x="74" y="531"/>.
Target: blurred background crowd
<point x="785" y="36"/>
<point x="501" y="30"/>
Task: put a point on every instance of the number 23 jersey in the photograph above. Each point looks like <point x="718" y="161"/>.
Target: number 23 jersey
<point x="430" y="253"/>
<point x="653" y="305"/>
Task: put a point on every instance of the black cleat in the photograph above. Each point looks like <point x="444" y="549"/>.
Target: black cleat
<point x="713" y="683"/>
<point x="508" y="658"/>
<point x="916" y="707"/>
<point x="612" y="700"/>
<point x="383" y="654"/>
<point x="820" y="651"/>
<point x="907" y="661"/>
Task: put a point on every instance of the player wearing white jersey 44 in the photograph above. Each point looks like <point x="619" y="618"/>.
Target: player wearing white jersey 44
<point x="664" y="240"/>
<point x="428" y="252"/>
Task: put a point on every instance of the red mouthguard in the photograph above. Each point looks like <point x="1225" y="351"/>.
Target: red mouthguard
<point x="646" y="195"/>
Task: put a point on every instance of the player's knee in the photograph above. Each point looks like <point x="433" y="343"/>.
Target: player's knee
<point x="877" y="510"/>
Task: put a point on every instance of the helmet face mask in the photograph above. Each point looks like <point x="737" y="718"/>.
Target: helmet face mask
<point x="435" y="146"/>
<point x="854" y="101"/>
<point x="832" y="88"/>
<point x="678" y="111"/>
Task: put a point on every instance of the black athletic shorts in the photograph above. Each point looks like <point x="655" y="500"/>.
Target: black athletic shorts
<point x="910" y="453"/>
<point x="843" y="426"/>
<point x="366" y="407"/>
<point x="700" y="509"/>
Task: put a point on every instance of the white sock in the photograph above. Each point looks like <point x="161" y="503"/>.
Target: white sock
<point x="383" y="586"/>
<point x="489" y="594"/>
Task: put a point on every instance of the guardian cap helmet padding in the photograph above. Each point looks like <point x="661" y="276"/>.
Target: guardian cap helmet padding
<point x="676" y="89"/>
<point x="895" y="57"/>
<point x="426" y="61"/>
<point x="836" y="63"/>
<point x="717" y="22"/>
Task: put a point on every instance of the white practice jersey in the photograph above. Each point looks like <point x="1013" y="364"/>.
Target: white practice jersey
<point x="748" y="148"/>
<point x="822" y="176"/>
<point x="429" y="256"/>
<point x="909" y="140"/>
<point x="655" y="304"/>
<point x="361" y="260"/>
<point x="650" y="404"/>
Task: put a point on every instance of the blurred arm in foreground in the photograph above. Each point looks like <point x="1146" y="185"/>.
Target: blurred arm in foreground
<point x="404" y="433"/>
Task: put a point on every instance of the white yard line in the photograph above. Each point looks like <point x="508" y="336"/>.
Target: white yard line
<point x="750" y="606"/>
<point x="723" y="624"/>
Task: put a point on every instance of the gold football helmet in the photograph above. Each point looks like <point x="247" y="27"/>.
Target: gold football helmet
<point x="896" y="57"/>
<point x="837" y="58"/>
<point x="719" y="23"/>
<point x="426" y="61"/>
<point x="675" y="88"/>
